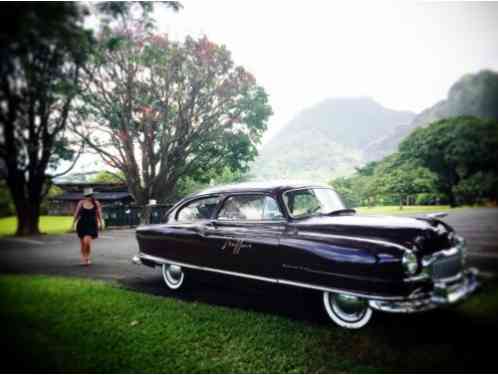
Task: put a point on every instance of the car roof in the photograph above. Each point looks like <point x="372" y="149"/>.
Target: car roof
<point x="259" y="187"/>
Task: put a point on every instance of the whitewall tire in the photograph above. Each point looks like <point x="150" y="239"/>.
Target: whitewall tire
<point x="347" y="311"/>
<point x="173" y="276"/>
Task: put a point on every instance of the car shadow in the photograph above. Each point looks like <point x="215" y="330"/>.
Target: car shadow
<point x="287" y="301"/>
<point x="425" y="337"/>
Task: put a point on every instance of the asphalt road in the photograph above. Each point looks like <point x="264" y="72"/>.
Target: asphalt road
<point x="112" y="253"/>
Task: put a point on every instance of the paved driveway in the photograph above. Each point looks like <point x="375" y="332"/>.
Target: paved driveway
<point x="112" y="252"/>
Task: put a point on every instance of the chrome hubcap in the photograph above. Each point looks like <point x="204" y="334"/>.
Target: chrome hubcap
<point x="348" y="308"/>
<point x="173" y="275"/>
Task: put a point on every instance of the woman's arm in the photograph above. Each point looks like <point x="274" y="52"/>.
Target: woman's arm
<point x="100" y="220"/>
<point x="77" y="213"/>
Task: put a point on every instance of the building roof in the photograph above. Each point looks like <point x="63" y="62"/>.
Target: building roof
<point x="104" y="196"/>
<point x="260" y="187"/>
<point x="77" y="187"/>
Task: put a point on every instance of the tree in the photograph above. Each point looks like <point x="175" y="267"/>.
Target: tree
<point x="344" y="186"/>
<point x="454" y="149"/>
<point x="159" y="110"/>
<point x="404" y="180"/>
<point x="476" y="188"/>
<point x="188" y="185"/>
<point x="107" y="177"/>
<point x="41" y="52"/>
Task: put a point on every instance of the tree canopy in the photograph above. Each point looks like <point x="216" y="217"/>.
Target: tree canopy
<point x="453" y="160"/>
<point x="454" y="150"/>
<point x="159" y="110"/>
<point x="42" y="51"/>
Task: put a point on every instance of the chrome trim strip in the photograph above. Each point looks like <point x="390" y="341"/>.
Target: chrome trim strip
<point x="159" y="260"/>
<point x="420" y="277"/>
<point x="202" y="268"/>
<point x="450" y="279"/>
<point x="359" y="239"/>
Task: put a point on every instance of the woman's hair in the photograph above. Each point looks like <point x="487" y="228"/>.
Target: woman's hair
<point x="94" y="201"/>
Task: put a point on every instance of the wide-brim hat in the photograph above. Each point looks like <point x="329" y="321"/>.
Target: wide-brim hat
<point x="87" y="192"/>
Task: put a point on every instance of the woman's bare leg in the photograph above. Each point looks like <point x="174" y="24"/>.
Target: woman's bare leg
<point x="83" y="250"/>
<point x="88" y="243"/>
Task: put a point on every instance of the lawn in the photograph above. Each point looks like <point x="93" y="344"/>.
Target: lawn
<point x="48" y="224"/>
<point x="71" y="325"/>
<point x="407" y="210"/>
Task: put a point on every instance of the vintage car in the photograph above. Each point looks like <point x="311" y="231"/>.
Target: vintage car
<point x="302" y="235"/>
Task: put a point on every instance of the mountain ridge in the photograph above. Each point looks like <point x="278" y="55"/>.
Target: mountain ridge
<point x="336" y="150"/>
<point x="332" y="137"/>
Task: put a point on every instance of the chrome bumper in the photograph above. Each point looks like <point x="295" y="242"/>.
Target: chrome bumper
<point x="442" y="295"/>
<point x="136" y="259"/>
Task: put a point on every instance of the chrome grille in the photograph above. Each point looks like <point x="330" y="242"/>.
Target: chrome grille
<point x="446" y="267"/>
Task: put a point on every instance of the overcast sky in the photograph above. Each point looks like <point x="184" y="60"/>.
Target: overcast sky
<point x="404" y="55"/>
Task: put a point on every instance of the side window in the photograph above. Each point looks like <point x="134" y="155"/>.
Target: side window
<point x="250" y="207"/>
<point x="199" y="209"/>
<point x="271" y="211"/>
<point x="301" y="202"/>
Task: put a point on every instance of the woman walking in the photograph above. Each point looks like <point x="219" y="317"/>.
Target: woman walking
<point x="88" y="221"/>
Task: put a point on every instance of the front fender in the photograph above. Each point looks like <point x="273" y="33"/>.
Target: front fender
<point x="362" y="265"/>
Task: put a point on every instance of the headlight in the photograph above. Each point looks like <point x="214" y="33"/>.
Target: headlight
<point x="410" y="263"/>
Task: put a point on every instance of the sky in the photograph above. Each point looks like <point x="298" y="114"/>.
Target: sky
<point x="404" y="55"/>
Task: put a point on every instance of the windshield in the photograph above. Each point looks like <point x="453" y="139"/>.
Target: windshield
<point x="312" y="201"/>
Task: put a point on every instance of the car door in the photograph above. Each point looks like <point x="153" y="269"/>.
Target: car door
<point x="186" y="236"/>
<point x="246" y="234"/>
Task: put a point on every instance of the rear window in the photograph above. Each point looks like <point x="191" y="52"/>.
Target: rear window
<point x="200" y="209"/>
<point x="250" y="208"/>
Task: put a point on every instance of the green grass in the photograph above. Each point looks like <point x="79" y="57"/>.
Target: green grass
<point x="394" y="210"/>
<point x="71" y="325"/>
<point x="48" y="224"/>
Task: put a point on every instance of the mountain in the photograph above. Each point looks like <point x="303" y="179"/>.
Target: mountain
<point x="472" y="95"/>
<point x="331" y="138"/>
<point x="327" y="140"/>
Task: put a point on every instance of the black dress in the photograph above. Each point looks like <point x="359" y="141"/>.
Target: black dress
<point x="87" y="223"/>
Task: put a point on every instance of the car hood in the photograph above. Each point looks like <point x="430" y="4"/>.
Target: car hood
<point x="428" y="234"/>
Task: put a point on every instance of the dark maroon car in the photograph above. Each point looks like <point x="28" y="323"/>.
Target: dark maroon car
<point x="303" y="236"/>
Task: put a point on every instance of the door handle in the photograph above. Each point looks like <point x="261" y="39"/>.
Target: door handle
<point x="211" y="224"/>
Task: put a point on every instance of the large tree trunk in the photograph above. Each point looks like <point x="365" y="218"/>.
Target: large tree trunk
<point x="451" y="198"/>
<point x="27" y="199"/>
<point x="28" y="215"/>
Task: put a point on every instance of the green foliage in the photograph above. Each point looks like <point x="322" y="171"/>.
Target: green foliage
<point x="6" y="203"/>
<point x="168" y="113"/>
<point x="453" y="160"/>
<point x="430" y="199"/>
<point x="477" y="188"/>
<point x="43" y="49"/>
<point x="345" y="188"/>
<point x="384" y="183"/>
<point x="188" y="185"/>
<point x="109" y="177"/>
<point x="53" y="191"/>
<point x="454" y="150"/>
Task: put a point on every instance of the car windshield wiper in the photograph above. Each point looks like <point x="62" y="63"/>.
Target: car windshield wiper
<point x="339" y="212"/>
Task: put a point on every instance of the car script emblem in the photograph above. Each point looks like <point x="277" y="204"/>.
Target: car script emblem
<point x="236" y="245"/>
